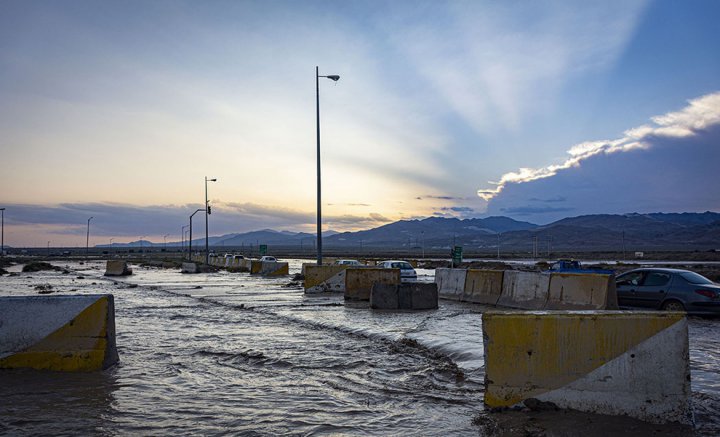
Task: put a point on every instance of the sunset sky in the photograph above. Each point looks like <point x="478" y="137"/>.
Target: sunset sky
<point x="535" y="110"/>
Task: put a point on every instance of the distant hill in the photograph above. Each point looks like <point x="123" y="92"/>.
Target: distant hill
<point x="598" y="232"/>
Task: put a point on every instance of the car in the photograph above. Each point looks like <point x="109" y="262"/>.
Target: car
<point x="407" y="272"/>
<point x="348" y="262"/>
<point x="267" y="258"/>
<point x="668" y="289"/>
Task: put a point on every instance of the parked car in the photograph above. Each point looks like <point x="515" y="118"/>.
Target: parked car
<point x="573" y="266"/>
<point x="348" y="262"/>
<point x="407" y="272"/>
<point x="668" y="289"/>
<point x="268" y="258"/>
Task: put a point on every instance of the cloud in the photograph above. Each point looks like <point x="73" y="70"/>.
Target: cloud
<point x="667" y="165"/>
<point x="550" y="200"/>
<point x="457" y="209"/>
<point x="532" y="210"/>
<point x="65" y="223"/>
<point x="430" y="196"/>
<point x="495" y="63"/>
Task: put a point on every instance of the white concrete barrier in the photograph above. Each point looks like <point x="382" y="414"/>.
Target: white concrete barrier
<point x="61" y="333"/>
<point x="524" y="290"/>
<point x="450" y="283"/>
<point x="189" y="268"/>
<point x="483" y="286"/>
<point x="117" y="268"/>
<point x="581" y="291"/>
<point x="605" y="362"/>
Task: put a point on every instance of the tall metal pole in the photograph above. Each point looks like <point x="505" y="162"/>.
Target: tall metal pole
<point x="319" y="208"/>
<point x="190" y="239"/>
<point x="87" y="240"/>
<point x="207" y="250"/>
<point x="2" y="233"/>
<point x="334" y="78"/>
<point x="182" y="238"/>
<point x="207" y="212"/>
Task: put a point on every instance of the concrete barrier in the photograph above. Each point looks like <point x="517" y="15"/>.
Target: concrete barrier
<point x="525" y="290"/>
<point x="324" y="278"/>
<point x="581" y="291"/>
<point x="359" y="282"/>
<point x="405" y="296"/>
<point x="483" y="286"/>
<point x="605" y="362"/>
<point x="117" y="268"/>
<point x="61" y="333"/>
<point x="269" y="268"/>
<point x="450" y="283"/>
<point x="189" y="268"/>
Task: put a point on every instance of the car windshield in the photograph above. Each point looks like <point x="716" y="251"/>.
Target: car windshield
<point x="402" y="266"/>
<point x="695" y="278"/>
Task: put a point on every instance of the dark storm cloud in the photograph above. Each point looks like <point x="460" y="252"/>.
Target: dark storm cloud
<point x="672" y="174"/>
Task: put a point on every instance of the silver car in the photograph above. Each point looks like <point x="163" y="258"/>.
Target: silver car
<point x="407" y="272"/>
<point x="668" y="289"/>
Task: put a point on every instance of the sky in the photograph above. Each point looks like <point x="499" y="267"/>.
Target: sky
<point x="535" y="110"/>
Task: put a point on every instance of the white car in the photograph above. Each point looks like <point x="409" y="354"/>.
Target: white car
<point x="267" y="258"/>
<point x="407" y="272"/>
<point x="348" y="262"/>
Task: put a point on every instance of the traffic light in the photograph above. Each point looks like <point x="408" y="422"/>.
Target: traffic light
<point x="209" y="210"/>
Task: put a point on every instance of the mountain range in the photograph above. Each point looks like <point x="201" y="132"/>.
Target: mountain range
<point x="614" y="232"/>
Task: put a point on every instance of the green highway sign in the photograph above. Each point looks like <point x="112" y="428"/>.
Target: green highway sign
<point x="263" y="249"/>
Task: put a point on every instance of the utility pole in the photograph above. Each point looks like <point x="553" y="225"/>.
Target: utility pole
<point x="87" y="240"/>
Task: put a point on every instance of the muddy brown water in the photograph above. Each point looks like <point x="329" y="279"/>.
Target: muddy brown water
<point x="233" y="354"/>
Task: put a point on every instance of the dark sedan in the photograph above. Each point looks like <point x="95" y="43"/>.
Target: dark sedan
<point x="668" y="289"/>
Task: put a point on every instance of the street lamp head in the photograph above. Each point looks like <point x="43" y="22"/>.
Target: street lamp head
<point x="334" y="77"/>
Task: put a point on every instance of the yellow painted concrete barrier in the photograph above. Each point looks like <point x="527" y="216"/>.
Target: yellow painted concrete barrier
<point x="606" y="362"/>
<point x="483" y="286"/>
<point x="450" y="283"/>
<point x="269" y="268"/>
<point x="359" y="282"/>
<point x="524" y="290"/>
<point x="117" y="268"/>
<point x="324" y="278"/>
<point x="61" y="333"/>
<point x="581" y="291"/>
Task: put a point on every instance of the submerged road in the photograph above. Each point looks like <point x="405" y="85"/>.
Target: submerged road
<point x="233" y="354"/>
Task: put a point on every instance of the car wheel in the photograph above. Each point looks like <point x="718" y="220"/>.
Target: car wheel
<point x="673" y="305"/>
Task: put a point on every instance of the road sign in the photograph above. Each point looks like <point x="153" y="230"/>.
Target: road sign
<point x="263" y="249"/>
<point x="457" y="255"/>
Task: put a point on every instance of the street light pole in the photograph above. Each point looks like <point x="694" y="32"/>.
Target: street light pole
<point x="165" y="241"/>
<point x="207" y="212"/>
<point x="334" y="78"/>
<point x="2" y="234"/>
<point x="182" y="239"/>
<point x="87" y="240"/>
<point x="190" y="239"/>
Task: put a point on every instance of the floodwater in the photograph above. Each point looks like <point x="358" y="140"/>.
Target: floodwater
<point x="227" y="353"/>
